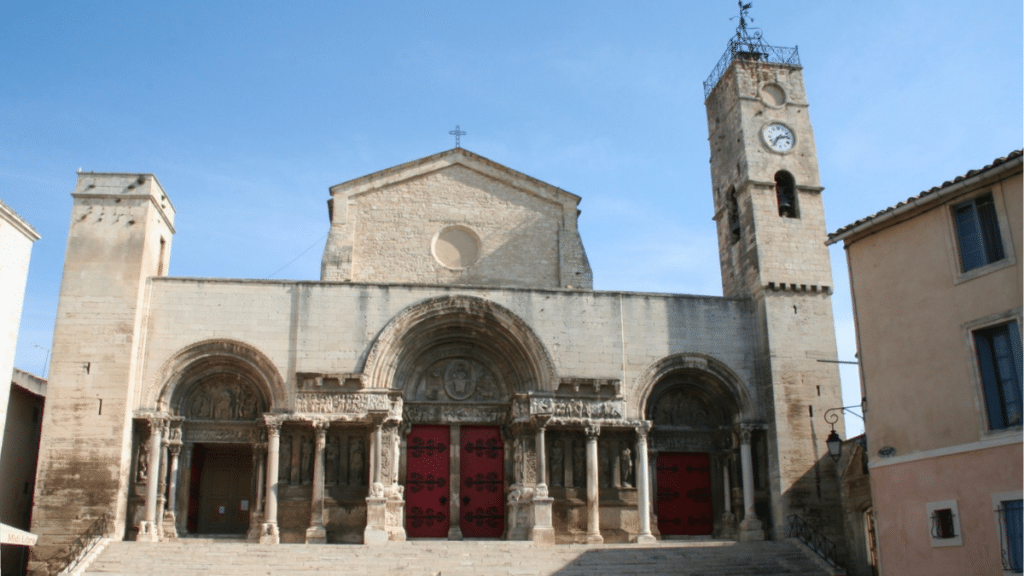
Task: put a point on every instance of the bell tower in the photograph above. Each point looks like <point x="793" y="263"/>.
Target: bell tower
<point x="771" y="236"/>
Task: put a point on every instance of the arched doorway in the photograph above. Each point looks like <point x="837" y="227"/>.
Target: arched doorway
<point x="220" y="410"/>
<point x="459" y="361"/>
<point x="694" y="404"/>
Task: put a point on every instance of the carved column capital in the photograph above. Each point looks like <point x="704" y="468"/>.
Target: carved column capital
<point x="273" y="423"/>
<point x="643" y="428"/>
<point x="541" y="420"/>
<point x="175" y="449"/>
<point x="592" y="430"/>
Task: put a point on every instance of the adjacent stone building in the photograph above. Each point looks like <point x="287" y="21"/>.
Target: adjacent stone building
<point x="453" y="374"/>
<point x="936" y="282"/>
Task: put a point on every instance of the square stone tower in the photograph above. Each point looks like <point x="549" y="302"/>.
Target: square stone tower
<point x="771" y="234"/>
<point x="120" y="235"/>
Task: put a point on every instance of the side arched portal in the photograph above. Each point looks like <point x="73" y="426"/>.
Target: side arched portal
<point x="210" y="398"/>
<point x="694" y="403"/>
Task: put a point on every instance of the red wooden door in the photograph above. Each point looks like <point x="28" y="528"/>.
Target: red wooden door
<point x="482" y="471"/>
<point x="684" y="493"/>
<point x="427" y="470"/>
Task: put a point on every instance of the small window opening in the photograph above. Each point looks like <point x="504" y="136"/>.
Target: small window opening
<point x="785" y="194"/>
<point x="163" y="259"/>
<point x="734" y="215"/>
<point x="942" y="524"/>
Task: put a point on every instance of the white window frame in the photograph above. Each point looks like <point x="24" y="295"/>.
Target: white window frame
<point x="958" y="539"/>
<point x="997" y="500"/>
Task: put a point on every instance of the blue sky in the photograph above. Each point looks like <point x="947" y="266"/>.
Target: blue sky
<point x="248" y="111"/>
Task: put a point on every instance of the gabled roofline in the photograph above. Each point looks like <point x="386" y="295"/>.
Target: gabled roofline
<point x="401" y="172"/>
<point x="1012" y="162"/>
<point x="20" y="223"/>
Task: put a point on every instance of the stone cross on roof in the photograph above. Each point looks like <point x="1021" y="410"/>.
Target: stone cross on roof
<point x="457" y="133"/>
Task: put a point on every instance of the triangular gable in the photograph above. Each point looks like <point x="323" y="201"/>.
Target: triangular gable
<point x="454" y="157"/>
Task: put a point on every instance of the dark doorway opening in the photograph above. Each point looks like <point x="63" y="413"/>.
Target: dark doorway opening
<point x="220" y="493"/>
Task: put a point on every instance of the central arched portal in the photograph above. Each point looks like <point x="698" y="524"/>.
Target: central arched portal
<point x="459" y="362"/>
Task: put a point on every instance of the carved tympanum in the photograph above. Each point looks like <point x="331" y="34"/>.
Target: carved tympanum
<point x="459" y="379"/>
<point x="677" y="408"/>
<point x="222" y="400"/>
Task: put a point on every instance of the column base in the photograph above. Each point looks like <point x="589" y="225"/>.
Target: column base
<point x="595" y="539"/>
<point x="751" y="530"/>
<point x="169" y="528"/>
<point x="646" y="539"/>
<point x="542" y="532"/>
<point x="376" y="532"/>
<point x="269" y="533"/>
<point x="255" y="528"/>
<point x="148" y="532"/>
<point x="316" y="535"/>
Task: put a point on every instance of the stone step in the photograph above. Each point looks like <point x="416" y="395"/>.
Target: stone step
<point x="448" y="558"/>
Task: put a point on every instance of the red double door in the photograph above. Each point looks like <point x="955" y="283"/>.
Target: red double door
<point x="684" y="493"/>
<point x="481" y="476"/>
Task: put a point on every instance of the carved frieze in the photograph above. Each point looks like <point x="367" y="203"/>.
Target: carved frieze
<point x="578" y="408"/>
<point x="232" y="434"/>
<point x="698" y="441"/>
<point x="351" y="404"/>
<point x="422" y="413"/>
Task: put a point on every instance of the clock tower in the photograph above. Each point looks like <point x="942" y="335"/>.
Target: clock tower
<point x="771" y="235"/>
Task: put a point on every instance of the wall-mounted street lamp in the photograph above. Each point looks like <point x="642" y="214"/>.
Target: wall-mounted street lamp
<point x="834" y="442"/>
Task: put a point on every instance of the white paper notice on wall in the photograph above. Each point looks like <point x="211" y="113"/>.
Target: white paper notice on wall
<point x="245" y="505"/>
<point x="220" y="510"/>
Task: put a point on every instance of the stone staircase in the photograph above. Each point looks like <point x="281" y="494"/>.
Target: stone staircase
<point x="450" y="558"/>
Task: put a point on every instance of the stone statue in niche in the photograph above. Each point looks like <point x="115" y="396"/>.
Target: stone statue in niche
<point x="142" y="464"/>
<point x="557" y="473"/>
<point x="331" y="460"/>
<point x="677" y="408"/>
<point x="306" y="466"/>
<point x="219" y="400"/>
<point x="356" y="461"/>
<point x="579" y="476"/>
<point x="625" y="465"/>
<point x="284" y="468"/>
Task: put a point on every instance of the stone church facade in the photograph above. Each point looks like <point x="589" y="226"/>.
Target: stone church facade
<point x="453" y="374"/>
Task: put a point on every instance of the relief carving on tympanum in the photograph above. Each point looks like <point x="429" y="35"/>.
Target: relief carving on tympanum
<point x="219" y="399"/>
<point x="458" y="380"/>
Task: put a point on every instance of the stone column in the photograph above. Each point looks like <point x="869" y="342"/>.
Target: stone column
<point x="593" y="498"/>
<point x="256" y="508"/>
<point x="269" y="533"/>
<point x="149" y="529"/>
<point x="643" y="485"/>
<point x="750" y="527"/>
<point x="184" y="489"/>
<point x="170" y="525"/>
<point x="542" y="532"/>
<point x="376" y="532"/>
<point x="161" y="502"/>
<point x="317" y="533"/>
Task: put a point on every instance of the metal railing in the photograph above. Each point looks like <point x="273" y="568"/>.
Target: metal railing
<point x="814" y="540"/>
<point x="68" y="558"/>
<point x="751" y="48"/>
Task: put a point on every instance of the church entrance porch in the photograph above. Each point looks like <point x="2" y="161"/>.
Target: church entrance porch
<point x="223" y="499"/>
<point x="684" y="494"/>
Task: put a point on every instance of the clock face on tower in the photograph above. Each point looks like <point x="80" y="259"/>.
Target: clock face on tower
<point x="778" y="137"/>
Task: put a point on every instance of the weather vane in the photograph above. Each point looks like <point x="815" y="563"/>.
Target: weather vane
<point x="457" y="133"/>
<point x="741" y="30"/>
